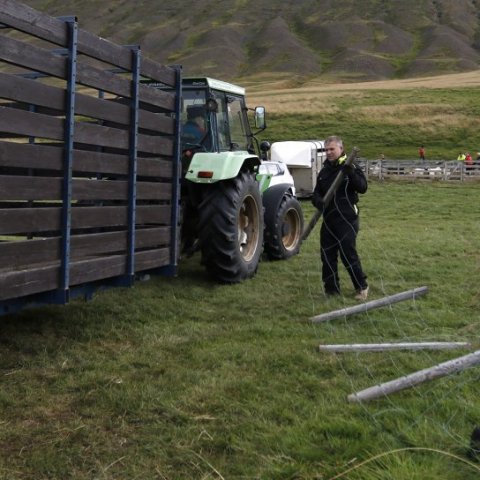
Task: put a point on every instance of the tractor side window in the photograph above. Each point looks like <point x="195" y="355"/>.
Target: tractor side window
<point x="236" y="120"/>
<point x="194" y="119"/>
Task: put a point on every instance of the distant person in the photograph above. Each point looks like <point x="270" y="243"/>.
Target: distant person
<point x="421" y="153"/>
<point x="340" y="225"/>
<point x="461" y="157"/>
<point x="468" y="162"/>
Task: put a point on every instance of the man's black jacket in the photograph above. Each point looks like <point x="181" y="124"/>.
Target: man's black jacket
<point x="343" y="203"/>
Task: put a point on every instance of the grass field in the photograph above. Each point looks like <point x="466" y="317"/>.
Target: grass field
<point x="392" y="118"/>
<point x="186" y="379"/>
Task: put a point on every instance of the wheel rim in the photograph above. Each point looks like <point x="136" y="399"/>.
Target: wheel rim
<point x="291" y="229"/>
<point x="248" y="228"/>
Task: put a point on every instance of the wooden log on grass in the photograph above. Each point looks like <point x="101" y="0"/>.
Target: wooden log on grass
<point x="440" y="370"/>
<point x="364" y="307"/>
<point x="381" y="347"/>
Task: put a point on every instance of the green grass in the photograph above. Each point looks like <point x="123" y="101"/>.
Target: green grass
<point x="186" y="379"/>
<point x="392" y="122"/>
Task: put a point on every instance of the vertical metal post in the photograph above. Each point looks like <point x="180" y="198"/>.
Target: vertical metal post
<point x="132" y="170"/>
<point x="176" y="170"/>
<point x="72" y="28"/>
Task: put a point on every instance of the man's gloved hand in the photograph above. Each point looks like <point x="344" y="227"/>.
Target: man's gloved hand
<point x="349" y="170"/>
<point x="317" y="201"/>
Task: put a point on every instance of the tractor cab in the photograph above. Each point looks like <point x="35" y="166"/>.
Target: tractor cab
<point x="214" y="118"/>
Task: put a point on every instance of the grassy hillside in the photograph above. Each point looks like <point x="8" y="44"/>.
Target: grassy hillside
<point x="341" y="40"/>
<point x="392" y="118"/>
<point x="184" y="379"/>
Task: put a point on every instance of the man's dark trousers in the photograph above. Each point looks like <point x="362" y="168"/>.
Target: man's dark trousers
<point x="339" y="237"/>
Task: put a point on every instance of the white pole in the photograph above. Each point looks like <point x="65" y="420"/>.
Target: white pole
<point x="440" y="370"/>
<point x="416" y="292"/>
<point x="380" y="347"/>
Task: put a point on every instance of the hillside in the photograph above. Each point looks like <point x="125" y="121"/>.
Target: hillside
<point x="336" y="40"/>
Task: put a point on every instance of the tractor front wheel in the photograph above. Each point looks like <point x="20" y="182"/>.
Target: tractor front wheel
<point x="283" y="236"/>
<point x="230" y="228"/>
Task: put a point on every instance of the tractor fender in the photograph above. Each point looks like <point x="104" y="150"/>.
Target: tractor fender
<point x="211" y="167"/>
<point x="272" y="198"/>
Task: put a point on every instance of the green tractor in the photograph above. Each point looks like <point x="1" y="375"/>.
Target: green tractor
<point x="236" y="203"/>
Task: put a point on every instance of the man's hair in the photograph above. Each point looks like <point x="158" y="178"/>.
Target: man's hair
<point x="334" y="139"/>
<point x="194" y="111"/>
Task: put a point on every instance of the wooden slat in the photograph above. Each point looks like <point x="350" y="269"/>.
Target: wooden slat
<point x="32" y="57"/>
<point x="108" y="242"/>
<point x="159" y="98"/>
<point x="154" y="191"/>
<point x="15" y="255"/>
<point x="108" y="163"/>
<point x="97" y="217"/>
<point x="14" y="187"/>
<point x="26" y="155"/>
<point x="155" y="145"/>
<point x="19" y="283"/>
<point x="86" y="189"/>
<point x="20" y="89"/>
<point x="30" y="124"/>
<point x="16" y="221"/>
<point x="158" y="72"/>
<point x="112" y="137"/>
<point x="38" y="156"/>
<point x="20" y="122"/>
<point x="100" y="268"/>
<point x="154" y="214"/>
<point x="152" y="259"/>
<point x="157" y="122"/>
<point x="117" y="112"/>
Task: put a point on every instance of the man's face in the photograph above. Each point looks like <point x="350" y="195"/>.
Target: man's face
<point x="200" y="121"/>
<point x="334" y="150"/>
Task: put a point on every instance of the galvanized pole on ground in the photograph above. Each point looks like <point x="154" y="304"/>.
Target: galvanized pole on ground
<point x="364" y="307"/>
<point x="440" y="370"/>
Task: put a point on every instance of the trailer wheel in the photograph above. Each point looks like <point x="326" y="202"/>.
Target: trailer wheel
<point x="283" y="236"/>
<point x="230" y="228"/>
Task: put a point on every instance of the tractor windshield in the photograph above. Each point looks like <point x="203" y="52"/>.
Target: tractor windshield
<point x="237" y="121"/>
<point x="225" y="129"/>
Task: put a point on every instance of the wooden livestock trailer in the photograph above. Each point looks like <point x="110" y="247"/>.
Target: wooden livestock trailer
<point x="89" y="161"/>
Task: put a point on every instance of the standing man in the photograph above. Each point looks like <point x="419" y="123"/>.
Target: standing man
<point x="340" y="224"/>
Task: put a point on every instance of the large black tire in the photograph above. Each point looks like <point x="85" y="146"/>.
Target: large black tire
<point x="230" y="228"/>
<point x="283" y="235"/>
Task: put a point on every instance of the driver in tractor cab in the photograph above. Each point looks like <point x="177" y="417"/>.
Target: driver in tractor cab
<point x="194" y="130"/>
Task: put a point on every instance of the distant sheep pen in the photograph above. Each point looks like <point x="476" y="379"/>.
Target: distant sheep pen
<point x="427" y="170"/>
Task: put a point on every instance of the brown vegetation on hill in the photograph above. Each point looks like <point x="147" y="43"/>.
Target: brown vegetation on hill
<point x="343" y="40"/>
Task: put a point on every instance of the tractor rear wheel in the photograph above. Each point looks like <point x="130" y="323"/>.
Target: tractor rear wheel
<point x="283" y="237"/>
<point x="230" y="228"/>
